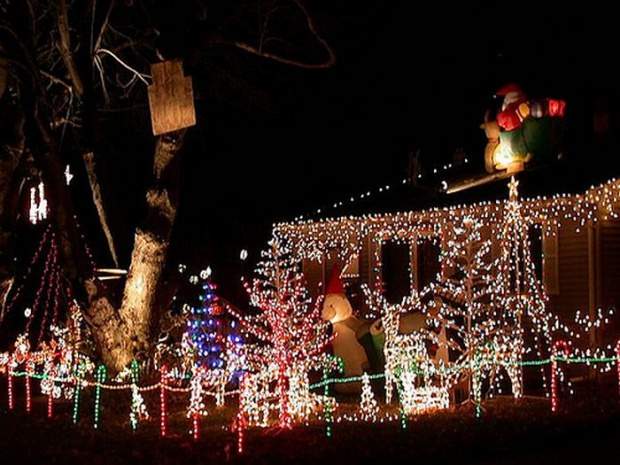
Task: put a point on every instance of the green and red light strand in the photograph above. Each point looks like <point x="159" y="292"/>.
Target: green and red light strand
<point x="563" y="348"/>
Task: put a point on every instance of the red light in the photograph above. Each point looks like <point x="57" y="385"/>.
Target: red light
<point x="557" y="107"/>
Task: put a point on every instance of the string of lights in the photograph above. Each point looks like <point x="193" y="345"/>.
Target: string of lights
<point x="313" y="239"/>
<point x="352" y="199"/>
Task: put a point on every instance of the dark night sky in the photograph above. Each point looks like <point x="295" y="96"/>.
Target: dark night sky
<point x="408" y="76"/>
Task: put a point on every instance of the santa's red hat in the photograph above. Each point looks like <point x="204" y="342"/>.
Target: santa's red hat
<point x="508" y="89"/>
<point x="334" y="285"/>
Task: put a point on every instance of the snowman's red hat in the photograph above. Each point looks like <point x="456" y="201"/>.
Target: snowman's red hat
<point x="334" y="285"/>
<point x="509" y="89"/>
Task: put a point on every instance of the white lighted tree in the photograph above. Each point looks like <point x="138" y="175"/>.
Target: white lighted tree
<point x="467" y="306"/>
<point x="369" y="408"/>
<point x="520" y="292"/>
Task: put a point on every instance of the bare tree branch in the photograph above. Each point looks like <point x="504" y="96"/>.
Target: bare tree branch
<point x="138" y="74"/>
<point x="65" y="48"/>
<point x="57" y="80"/>
<point x="327" y="63"/>
<point x="104" y="26"/>
<point x="265" y="27"/>
<point x="89" y="163"/>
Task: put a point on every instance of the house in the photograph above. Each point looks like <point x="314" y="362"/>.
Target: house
<point x="574" y="241"/>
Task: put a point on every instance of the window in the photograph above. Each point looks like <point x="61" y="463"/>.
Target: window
<point x="313" y="273"/>
<point x="427" y="262"/>
<point x="395" y="270"/>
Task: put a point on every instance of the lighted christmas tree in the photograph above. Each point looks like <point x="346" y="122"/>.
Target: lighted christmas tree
<point x="520" y="288"/>
<point x="368" y="404"/>
<point x="290" y="336"/>
<point x="205" y="327"/>
<point x="519" y="291"/>
<point x="211" y="343"/>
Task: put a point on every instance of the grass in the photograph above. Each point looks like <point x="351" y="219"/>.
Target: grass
<point x="510" y="432"/>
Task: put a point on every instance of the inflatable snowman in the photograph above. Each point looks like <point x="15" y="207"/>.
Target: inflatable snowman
<point x="337" y="309"/>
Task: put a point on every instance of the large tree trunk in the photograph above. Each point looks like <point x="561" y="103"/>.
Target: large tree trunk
<point x="123" y="336"/>
<point x="108" y="332"/>
<point x="152" y="240"/>
<point x="10" y="157"/>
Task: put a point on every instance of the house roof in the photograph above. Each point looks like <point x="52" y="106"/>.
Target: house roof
<point x="404" y="196"/>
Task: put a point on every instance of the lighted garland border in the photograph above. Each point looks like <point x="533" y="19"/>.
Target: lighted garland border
<point x="322" y="383"/>
<point x="559" y="355"/>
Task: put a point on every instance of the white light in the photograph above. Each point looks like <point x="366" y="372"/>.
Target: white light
<point x="68" y="175"/>
<point x="38" y="204"/>
<point x="243" y="255"/>
<point x="206" y="273"/>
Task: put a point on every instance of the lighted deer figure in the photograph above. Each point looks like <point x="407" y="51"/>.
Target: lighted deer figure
<point x="401" y="351"/>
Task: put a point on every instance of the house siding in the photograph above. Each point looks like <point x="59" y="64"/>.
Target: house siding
<point x="573" y="273"/>
<point x="609" y="290"/>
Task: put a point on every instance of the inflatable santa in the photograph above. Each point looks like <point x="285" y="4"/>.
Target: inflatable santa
<point x="523" y="128"/>
<point x="337" y="309"/>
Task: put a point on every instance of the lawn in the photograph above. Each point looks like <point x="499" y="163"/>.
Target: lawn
<point x="586" y="430"/>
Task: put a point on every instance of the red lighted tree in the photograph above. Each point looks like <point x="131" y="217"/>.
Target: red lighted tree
<point x="289" y="333"/>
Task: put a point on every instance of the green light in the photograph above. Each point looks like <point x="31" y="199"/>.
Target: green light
<point x="76" y="392"/>
<point x="100" y="376"/>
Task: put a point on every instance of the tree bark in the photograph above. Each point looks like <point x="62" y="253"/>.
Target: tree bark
<point x="108" y="332"/>
<point x="151" y="243"/>
<point x="89" y="164"/>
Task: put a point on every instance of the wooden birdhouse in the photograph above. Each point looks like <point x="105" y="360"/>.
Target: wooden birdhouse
<point x="171" y="99"/>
